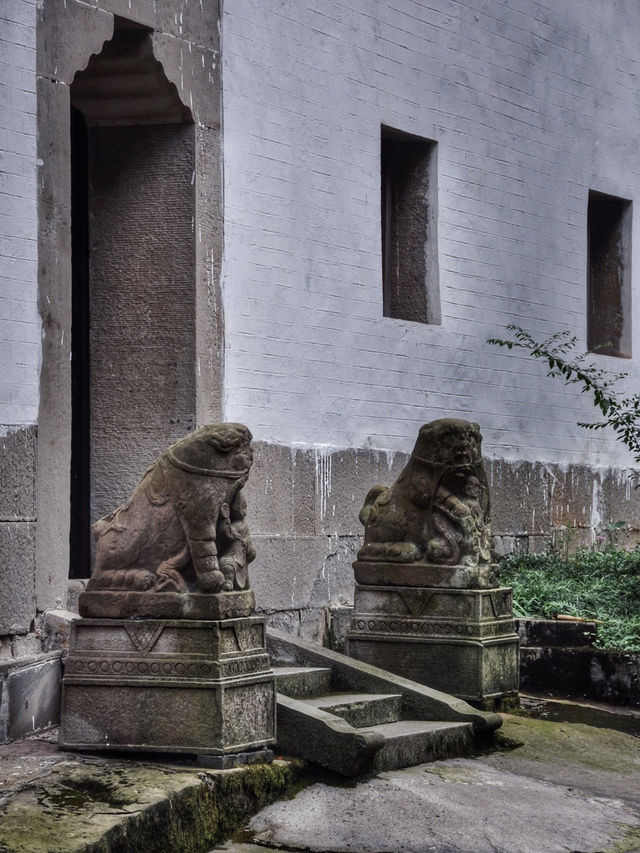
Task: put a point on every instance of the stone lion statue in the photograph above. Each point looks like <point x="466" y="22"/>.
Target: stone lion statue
<point x="183" y="528"/>
<point x="437" y="511"/>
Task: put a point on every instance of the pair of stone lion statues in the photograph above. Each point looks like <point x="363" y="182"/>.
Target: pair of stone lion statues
<point x="184" y="527"/>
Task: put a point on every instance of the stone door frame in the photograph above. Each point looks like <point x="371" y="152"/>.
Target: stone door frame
<point x="186" y="41"/>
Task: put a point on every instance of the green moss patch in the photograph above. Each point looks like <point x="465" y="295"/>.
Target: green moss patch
<point x="117" y="808"/>
<point x="574" y="744"/>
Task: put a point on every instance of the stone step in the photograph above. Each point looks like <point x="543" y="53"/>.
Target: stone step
<point x="361" y="710"/>
<point x="302" y="681"/>
<point x="330" y="728"/>
<point x="410" y="742"/>
<point x="323" y="738"/>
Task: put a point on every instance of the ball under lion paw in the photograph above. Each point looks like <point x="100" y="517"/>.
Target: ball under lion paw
<point x="211" y="581"/>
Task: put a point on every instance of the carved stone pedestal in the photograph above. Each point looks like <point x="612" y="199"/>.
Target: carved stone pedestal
<point x="167" y="656"/>
<point x="427" y="603"/>
<point x="458" y="640"/>
<point x="170" y="685"/>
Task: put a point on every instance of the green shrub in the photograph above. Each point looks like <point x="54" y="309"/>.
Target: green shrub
<point x="602" y="584"/>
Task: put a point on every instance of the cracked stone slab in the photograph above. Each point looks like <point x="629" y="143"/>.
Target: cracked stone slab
<point x="452" y="807"/>
<point x="566" y="787"/>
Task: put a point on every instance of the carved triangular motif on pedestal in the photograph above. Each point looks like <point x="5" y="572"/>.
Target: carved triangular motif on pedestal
<point x="500" y="603"/>
<point x="417" y="602"/>
<point x="236" y="637"/>
<point x="144" y="635"/>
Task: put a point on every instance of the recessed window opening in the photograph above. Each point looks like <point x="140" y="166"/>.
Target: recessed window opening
<point x="609" y="275"/>
<point x="409" y="227"/>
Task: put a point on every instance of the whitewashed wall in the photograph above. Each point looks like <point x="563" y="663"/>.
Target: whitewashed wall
<point x="19" y="320"/>
<point x="531" y="104"/>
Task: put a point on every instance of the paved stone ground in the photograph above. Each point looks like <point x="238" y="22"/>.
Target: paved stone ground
<point x="567" y="787"/>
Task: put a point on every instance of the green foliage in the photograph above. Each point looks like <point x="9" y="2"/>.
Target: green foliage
<point x="620" y="412"/>
<point x="602" y="584"/>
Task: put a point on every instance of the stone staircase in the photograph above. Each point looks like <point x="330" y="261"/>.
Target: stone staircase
<point x="354" y="718"/>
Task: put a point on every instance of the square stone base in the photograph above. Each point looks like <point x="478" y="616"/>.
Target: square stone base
<point x="459" y="641"/>
<point x="202" y="687"/>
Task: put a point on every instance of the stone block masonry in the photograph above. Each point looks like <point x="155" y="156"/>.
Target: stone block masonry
<point x="530" y="108"/>
<point x="304" y="505"/>
<point x="25" y="676"/>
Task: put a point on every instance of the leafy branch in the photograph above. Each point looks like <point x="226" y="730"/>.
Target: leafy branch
<point x="620" y="412"/>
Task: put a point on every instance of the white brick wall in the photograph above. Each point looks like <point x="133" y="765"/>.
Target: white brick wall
<point x="19" y="320"/>
<point x="532" y="104"/>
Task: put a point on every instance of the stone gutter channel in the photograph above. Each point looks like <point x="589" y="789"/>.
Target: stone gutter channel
<point x="64" y="802"/>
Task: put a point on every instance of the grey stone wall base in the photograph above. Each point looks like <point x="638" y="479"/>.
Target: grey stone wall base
<point x="555" y="632"/>
<point x="18" y="588"/>
<point x="29" y="695"/>
<point x="304" y="505"/>
<point x="17" y="475"/>
<point x="558" y="658"/>
<point x="584" y="673"/>
<point x="201" y="687"/>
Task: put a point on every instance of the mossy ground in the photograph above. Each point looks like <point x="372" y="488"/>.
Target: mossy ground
<point x="117" y="808"/>
<point x="574" y="745"/>
<point x="629" y="843"/>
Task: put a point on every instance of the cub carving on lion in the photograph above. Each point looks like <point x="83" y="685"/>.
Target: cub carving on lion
<point x="437" y="511"/>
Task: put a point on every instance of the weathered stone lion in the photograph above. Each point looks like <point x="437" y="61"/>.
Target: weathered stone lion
<point x="183" y="528"/>
<point x="437" y="511"/>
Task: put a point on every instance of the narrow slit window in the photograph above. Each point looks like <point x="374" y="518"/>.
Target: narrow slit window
<point x="409" y="227"/>
<point x="609" y="275"/>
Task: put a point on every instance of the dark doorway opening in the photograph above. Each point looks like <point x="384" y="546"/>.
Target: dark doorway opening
<point x="133" y="364"/>
<point x="79" y="534"/>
